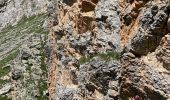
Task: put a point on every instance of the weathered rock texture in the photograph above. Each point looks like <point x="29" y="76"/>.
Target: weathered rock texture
<point x="11" y="11"/>
<point x="87" y="30"/>
<point x="23" y="29"/>
<point x="95" y="50"/>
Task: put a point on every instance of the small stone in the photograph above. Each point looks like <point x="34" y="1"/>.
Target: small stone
<point x="112" y="93"/>
<point x="45" y="93"/>
<point x="113" y="85"/>
<point x="16" y="74"/>
<point x="25" y="53"/>
<point x="5" y="89"/>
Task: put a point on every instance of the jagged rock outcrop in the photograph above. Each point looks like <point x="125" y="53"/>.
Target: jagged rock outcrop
<point x="95" y="50"/>
<point x="162" y="52"/>
<point x="144" y="65"/>
<point x="85" y="29"/>
<point x="133" y="28"/>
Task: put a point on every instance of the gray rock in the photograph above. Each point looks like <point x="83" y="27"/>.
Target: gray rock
<point x="141" y="44"/>
<point x="2" y="3"/>
<point x="45" y="25"/>
<point x="25" y="53"/>
<point x="99" y="73"/>
<point x="16" y="74"/>
<point x="149" y="32"/>
<point x="5" y="89"/>
<point x="163" y="51"/>
<point x="80" y="43"/>
<point x="108" y="25"/>
<point x="66" y="93"/>
<point x="113" y="85"/>
<point x="113" y="93"/>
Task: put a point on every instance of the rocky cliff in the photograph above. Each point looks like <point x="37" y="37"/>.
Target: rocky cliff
<point x="94" y="50"/>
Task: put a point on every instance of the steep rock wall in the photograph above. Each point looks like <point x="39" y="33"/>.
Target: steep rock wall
<point x="111" y="49"/>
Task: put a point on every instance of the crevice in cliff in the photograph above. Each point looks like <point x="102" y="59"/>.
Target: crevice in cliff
<point x="87" y="6"/>
<point x="69" y="2"/>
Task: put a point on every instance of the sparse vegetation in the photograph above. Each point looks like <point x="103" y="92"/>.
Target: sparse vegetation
<point x="3" y="62"/>
<point x="42" y="86"/>
<point x="43" y="55"/>
<point x="109" y="55"/>
<point x="104" y="56"/>
<point x="16" y="34"/>
<point x="84" y="59"/>
<point x="10" y="57"/>
<point x="2" y="82"/>
<point x="26" y="25"/>
<point x="5" y="98"/>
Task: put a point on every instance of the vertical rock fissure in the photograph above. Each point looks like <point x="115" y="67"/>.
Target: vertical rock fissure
<point x="52" y="77"/>
<point x="53" y="68"/>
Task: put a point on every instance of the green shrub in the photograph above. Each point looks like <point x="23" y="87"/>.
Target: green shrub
<point x="84" y="59"/>
<point x="7" y="59"/>
<point x="104" y="56"/>
<point x="3" y="62"/>
<point x="5" y="98"/>
<point x="42" y="86"/>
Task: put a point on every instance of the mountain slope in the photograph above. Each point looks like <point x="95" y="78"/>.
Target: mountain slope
<point x="85" y="50"/>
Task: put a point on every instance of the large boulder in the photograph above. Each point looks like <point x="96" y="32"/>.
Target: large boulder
<point x="151" y="28"/>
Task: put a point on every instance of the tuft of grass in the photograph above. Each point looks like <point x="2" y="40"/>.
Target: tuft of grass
<point x="109" y="55"/>
<point x="84" y="59"/>
<point x="4" y="97"/>
<point x="7" y="59"/>
<point x="3" y="62"/>
<point x="2" y="82"/>
<point x="43" y="55"/>
<point x="4" y="71"/>
<point x="42" y="86"/>
<point x="104" y="56"/>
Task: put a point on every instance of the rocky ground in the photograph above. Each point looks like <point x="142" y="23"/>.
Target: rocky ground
<point x="23" y="72"/>
<point x="94" y="50"/>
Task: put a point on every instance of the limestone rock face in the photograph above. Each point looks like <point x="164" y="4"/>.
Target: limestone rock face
<point x="88" y="30"/>
<point x="11" y="11"/>
<point x="150" y="29"/>
<point x="94" y="49"/>
<point x="163" y="51"/>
